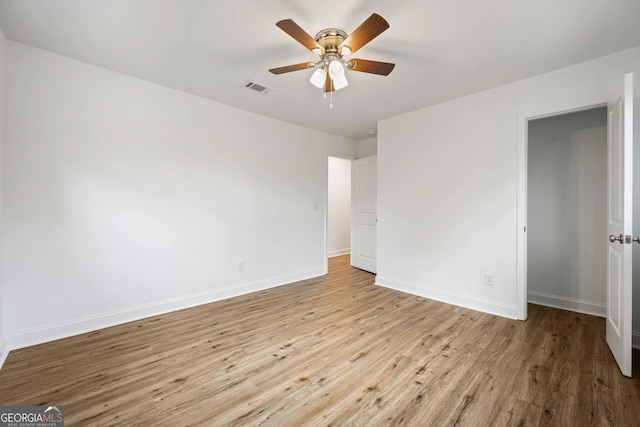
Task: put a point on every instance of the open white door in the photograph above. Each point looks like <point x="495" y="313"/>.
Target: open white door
<point x="619" y="223"/>
<point x="364" y="189"/>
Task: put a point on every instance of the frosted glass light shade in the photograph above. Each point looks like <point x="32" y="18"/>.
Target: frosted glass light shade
<point x="340" y="81"/>
<point x="318" y="77"/>
<point x="335" y="69"/>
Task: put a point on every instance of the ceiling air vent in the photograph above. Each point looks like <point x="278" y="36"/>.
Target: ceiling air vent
<point x="257" y="87"/>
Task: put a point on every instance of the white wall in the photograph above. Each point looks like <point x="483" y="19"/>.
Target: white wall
<point x="368" y="147"/>
<point x="3" y="309"/>
<point x="339" y="207"/>
<point x="447" y="193"/>
<point x="125" y="199"/>
<point x="567" y="211"/>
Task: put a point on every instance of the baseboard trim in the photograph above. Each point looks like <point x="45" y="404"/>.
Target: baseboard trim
<point x="4" y="351"/>
<point x="54" y="332"/>
<point x="635" y="341"/>
<point x="571" y="304"/>
<point x="473" y="303"/>
<point x="338" y="252"/>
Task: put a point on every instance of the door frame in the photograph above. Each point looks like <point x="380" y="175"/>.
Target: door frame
<point x="522" y="163"/>
<point x="326" y="202"/>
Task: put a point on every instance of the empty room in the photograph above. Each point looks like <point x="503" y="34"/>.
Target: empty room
<point x="281" y="213"/>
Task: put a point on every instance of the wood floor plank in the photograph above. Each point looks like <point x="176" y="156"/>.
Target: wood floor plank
<point x="336" y="350"/>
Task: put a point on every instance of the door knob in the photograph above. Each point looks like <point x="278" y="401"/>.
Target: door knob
<point x="620" y="238"/>
<point x="637" y="239"/>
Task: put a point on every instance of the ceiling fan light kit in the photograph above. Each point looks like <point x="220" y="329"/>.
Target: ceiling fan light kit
<point x="331" y="44"/>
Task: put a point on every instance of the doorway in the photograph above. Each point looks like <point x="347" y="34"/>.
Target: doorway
<point x="619" y="217"/>
<point x="567" y="211"/>
<point x="338" y="207"/>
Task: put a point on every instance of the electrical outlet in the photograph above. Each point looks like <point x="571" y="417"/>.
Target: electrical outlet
<point x="489" y="280"/>
<point x="241" y="267"/>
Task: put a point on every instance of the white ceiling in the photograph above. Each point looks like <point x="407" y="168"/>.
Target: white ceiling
<point x="442" y="49"/>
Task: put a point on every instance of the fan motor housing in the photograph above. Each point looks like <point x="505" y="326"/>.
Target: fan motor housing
<point x="330" y="39"/>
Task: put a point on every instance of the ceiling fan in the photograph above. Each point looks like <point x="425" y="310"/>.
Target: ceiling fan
<point x="333" y="45"/>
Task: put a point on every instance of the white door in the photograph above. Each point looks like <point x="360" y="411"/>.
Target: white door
<point x="619" y="224"/>
<point x="364" y="188"/>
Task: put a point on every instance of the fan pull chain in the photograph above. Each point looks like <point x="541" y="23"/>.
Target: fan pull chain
<point x="331" y="100"/>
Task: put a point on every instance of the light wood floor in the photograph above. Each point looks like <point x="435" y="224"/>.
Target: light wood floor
<point x="331" y="351"/>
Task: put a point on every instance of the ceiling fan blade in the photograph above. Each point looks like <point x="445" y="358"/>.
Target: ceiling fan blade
<point x="373" y="67"/>
<point x="367" y="31"/>
<point x="289" y="68"/>
<point x="328" y="84"/>
<point x="300" y="35"/>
